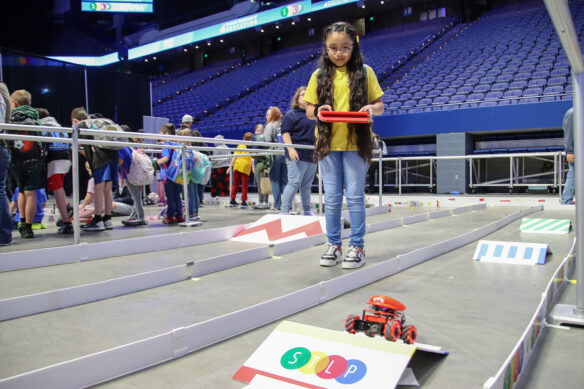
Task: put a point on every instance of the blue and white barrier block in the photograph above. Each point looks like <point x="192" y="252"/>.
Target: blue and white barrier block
<point x="518" y="253"/>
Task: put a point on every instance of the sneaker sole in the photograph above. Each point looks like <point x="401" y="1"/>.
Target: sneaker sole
<point x="353" y="265"/>
<point x="329" y="262"/>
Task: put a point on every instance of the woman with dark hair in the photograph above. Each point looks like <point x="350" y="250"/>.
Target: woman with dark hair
<point x="298" y="129"/>
<point x="278" y="171"/>
<point x="343" y="83"/>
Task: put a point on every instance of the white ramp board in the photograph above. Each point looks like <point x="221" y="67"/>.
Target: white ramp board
<point x="273" y="229"/>
<point x="315" y="357"/>
<point x="519" y="253"/>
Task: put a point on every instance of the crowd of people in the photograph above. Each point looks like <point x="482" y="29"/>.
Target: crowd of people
<point x="341" y="83"/>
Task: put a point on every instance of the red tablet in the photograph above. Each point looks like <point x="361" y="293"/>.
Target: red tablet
<point x="344" y="117"/>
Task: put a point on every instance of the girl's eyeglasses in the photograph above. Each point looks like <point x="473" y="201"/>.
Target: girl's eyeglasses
<point x="342" y="50"/>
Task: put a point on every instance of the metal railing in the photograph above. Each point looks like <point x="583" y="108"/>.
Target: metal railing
<point x="514" y="179"/>
<point x="76" y="143"/>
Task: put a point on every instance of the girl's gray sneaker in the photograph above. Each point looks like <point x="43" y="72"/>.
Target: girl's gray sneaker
<point x="331" y="256"/>
<point x="355" y="258"/>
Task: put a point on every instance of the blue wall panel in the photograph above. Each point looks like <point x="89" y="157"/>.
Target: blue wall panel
<point x="507" y="117"/>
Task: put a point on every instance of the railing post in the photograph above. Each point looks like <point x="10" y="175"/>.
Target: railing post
<point x="75" y="182"/>
<point x="380" y="174"/>
<point x="185" y="181"/>
<point x="320" y="205"/>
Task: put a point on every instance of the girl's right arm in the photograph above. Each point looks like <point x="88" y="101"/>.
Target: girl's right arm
<point x="162" y="161"/>
<point x="310" y="111"/>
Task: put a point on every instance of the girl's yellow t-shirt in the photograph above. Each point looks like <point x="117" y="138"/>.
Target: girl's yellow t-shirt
<point x="242" y="164"/>
<point x="340" y="140"/>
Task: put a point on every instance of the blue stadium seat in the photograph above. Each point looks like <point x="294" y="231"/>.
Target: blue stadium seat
<point x="475" y="96"/>
<point x="448" y="92"/>
<point x="499" y="86"/>
<point x="482" y="88"/>
<point x="537" y="82"/>
<point x="557" y="81"/>
<point x="494" y="95"/>
<point x="518" y="84"/>
<point x="425" y="101"/>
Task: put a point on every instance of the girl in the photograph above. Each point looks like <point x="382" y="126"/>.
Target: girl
<point x="297" y="128"/>
<point x="242" y="168"/>
<point x="343" y="83"/>
<point x="278" y="171"/>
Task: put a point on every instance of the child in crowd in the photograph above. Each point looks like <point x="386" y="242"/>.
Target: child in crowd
<point x="125" y="161"/>
<point x="87" y="207"/>
<point x="104" y="165"/>
<point x="41" y="200"/>
<point x="192" y="187"/>
<point x="343" y="83"/>
<point x="58" y="165"/>
<point x="219" y="177"/>
<point x="263" y="163"/>
<point x="242" y="167"/>
<point x="172" y="190"/>
<point x="27" y="164"/>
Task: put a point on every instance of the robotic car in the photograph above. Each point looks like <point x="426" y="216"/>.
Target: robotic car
<point x="384" y="318"/>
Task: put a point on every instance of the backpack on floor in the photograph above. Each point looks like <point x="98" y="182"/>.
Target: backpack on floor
<point x="105" y="125"/>
<point x="201" y="169"/>
<point x="141" y="169"/>
<point x="174" y="170"/>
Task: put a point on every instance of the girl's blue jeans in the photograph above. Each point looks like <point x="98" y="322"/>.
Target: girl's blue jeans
<point x="344" y="170"/>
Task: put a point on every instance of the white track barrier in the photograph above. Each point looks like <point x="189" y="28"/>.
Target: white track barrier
<point x="511" y="372"/>
<point x="109" y="364"/>
<point x="12" y="308"/>
<point x="87" y="251"/>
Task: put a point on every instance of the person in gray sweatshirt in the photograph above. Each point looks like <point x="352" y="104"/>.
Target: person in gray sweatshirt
<point x="568" y="126"/>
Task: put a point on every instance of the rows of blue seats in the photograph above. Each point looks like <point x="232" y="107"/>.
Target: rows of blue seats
<point x="510" y="56"/>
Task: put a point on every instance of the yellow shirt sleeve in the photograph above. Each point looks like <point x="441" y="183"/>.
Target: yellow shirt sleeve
<point x="310" y="95"/>
<point x="373" y="88"/>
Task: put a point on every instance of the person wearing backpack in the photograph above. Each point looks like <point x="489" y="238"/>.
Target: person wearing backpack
<point x="27" y="164"/>
<point x="137" y="171"/>
<point x="58" y="165"/>
<point x="172" y="189"/>
<point x="192" y="187"/>
<point x="103" y="163"/>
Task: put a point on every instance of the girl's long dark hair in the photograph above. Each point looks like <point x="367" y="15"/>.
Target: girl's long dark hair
<point x="358" y="98"/>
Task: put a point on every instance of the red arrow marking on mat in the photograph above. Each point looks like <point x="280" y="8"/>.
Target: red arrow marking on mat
<point x="274" y="230"/>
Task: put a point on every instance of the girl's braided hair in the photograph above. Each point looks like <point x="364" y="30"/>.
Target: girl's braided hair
<point x="358" y="98"/>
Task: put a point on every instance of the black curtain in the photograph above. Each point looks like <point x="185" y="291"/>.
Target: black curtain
<point x="59" y="87"/>
<point x="54" y="85"/>
<point x="124" y="98"/>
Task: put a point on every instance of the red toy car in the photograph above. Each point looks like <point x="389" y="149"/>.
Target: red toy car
<point x="384" y="318"/>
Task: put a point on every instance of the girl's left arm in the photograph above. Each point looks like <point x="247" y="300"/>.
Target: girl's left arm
<point x="376" y="107"/>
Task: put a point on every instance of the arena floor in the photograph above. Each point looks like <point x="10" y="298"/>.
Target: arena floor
<point x="475" y="311"/>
